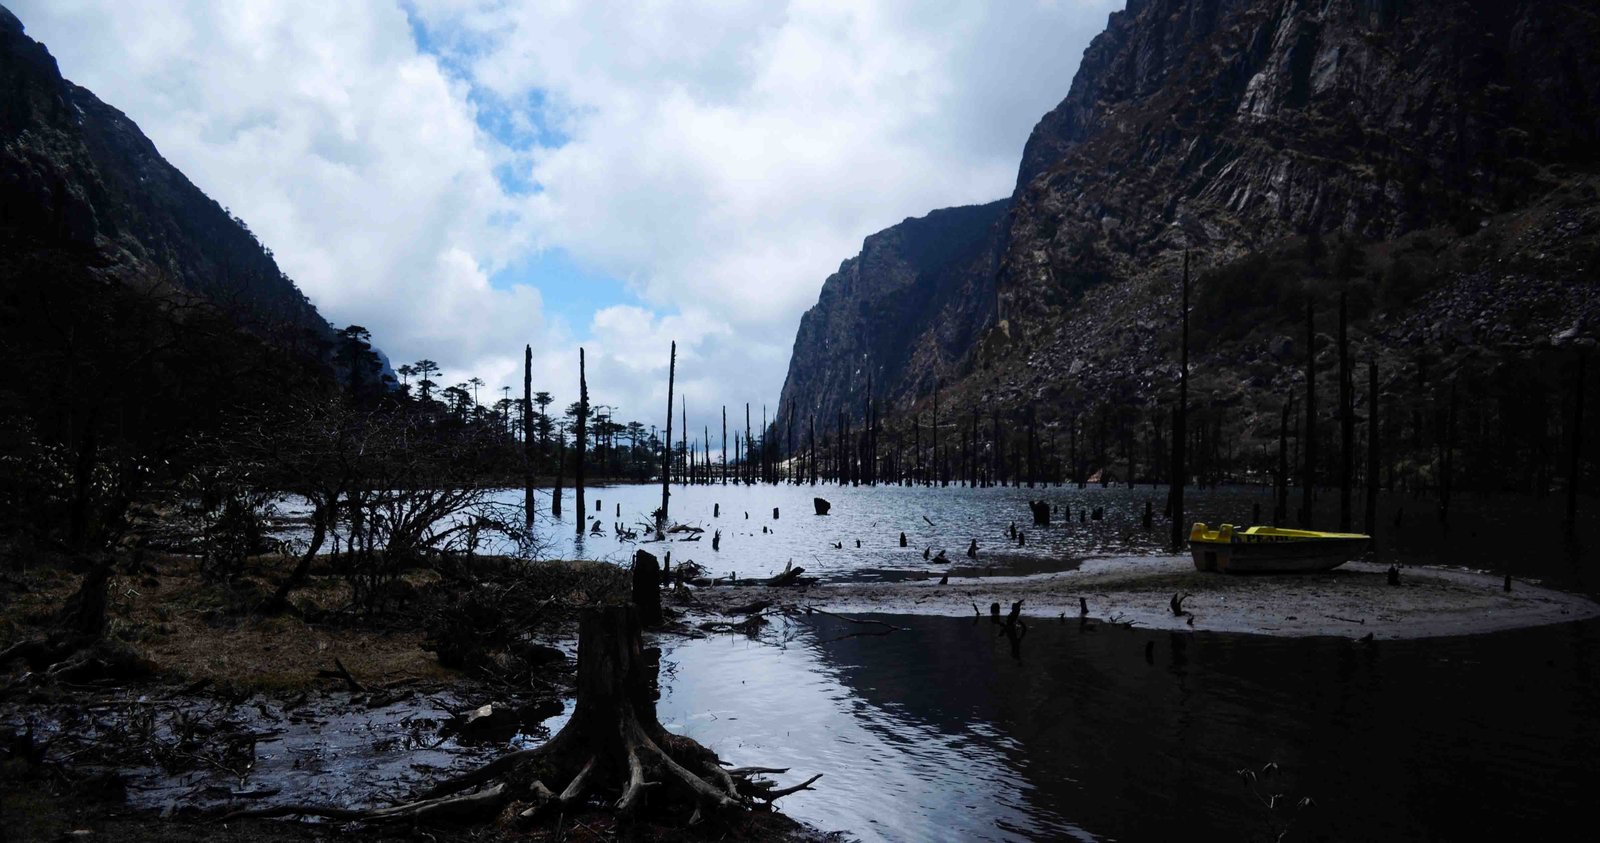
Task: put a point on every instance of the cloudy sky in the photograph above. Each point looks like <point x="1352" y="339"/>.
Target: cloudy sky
<point x="466" y="176"/>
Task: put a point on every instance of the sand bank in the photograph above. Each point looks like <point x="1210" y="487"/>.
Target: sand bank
<point x="1351" y="601"/>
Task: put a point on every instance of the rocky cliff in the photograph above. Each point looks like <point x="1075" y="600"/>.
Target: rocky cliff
<point x="1395" y="150"/>
<point x="897" y="317"/>
<point x="77" y="174"/>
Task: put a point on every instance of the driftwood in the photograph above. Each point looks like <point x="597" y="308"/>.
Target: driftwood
<point x="612" y="745"/>
<point x="790" y="576"/>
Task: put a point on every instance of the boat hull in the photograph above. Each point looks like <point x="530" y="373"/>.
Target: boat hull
<point x="1286" y="558"/>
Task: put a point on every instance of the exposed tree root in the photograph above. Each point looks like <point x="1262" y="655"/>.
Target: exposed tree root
<point x="612" y="745"/>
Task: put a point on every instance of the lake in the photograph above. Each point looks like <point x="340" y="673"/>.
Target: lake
<point x="1486" y="532"/>
<point x="1094" y="731"/>
<point x="938" y="732"/>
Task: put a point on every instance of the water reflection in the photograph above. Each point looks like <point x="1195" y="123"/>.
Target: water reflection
<point x="1098" y="731"/>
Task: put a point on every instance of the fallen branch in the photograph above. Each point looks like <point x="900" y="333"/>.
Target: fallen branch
<point x="341" y="672"/>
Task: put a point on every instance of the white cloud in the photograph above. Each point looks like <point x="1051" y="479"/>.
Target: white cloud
<point x="720" y="159"/>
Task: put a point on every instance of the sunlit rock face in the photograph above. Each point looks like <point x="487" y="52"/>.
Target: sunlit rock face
<point x="902" y="314"/>
<point x="1228" y="127"/>
<point x="76" y="173"/>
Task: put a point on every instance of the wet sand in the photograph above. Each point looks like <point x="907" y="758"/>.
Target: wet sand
<point x="1352" y="601"/>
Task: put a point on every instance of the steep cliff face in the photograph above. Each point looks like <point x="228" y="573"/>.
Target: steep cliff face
<point x="1224" y="126"/>
<point x="76" y="173"/>
<point x="901" y="314"/>
<point x="1235" y="128"/>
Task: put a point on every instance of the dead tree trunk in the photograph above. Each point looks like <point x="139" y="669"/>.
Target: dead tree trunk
<point x="581" y="439"/>
<point x="527" y="435"/>
<point x="1372" y="447"/>
<point x="666" y="456"/>
<point x="813" y="459"/>
<point x="321" y="515"/>
<point x="1280" y="497"/>
<point x="1347" y="422"/>
<point x="561" y="466"/>
<point x="1180" y="418"/>
<point x="933" y="432"/>
<point x="1310" y="447"/>
<point x="647" y="588"/>
<point x="612" y="745"/>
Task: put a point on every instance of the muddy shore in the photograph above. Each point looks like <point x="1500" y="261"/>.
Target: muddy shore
<point x="229" y="710"/>
<point x="1354" y="600"/>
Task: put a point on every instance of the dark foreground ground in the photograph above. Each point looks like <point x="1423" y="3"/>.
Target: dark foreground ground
<point x="218" y="709"/>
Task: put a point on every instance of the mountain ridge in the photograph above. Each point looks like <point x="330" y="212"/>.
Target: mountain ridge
<point x="1427" y="147"/>
<point x="77" y="171"/>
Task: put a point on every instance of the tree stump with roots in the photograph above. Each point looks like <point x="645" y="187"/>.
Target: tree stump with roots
<point x="612" y="745"/>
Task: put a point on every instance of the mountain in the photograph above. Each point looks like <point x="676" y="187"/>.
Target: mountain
<point x="900" y="314"/>
<point x="77" y="174"/>
<point x="1429" y="160"/>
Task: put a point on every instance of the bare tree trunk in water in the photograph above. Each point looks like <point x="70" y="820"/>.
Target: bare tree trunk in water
<point x="561" y="466"/>
<point x="666" y="455"/>
<point x="582" y="441"/>
<point x="1181" y="419"/>
<point x="1372" y="447"/>
<point x="613" y="743"/>
<point x="1309" y="449"/>
<point x="1280" y="495"/>
<point x="527" y="435"/>
<point x="1347" y="421"/>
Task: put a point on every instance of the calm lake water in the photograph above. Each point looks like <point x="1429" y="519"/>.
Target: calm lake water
<point x="1488" y="532"/>
<point x="939" y="732"/>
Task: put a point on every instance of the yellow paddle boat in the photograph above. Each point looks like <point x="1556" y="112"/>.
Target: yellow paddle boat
<point x="1273" y="550"/>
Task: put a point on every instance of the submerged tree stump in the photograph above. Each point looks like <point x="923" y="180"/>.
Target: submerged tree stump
<point x="647" y="587"/>
<point x="612" y="745"/>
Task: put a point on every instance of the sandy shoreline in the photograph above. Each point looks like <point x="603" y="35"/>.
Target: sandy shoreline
<point x="1352" y="601"/>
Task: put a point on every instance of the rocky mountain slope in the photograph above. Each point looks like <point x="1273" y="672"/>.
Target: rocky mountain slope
<point x="77" y="174"/>
<point x="1429" y="159"/>
<point x="897" y="315"/>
